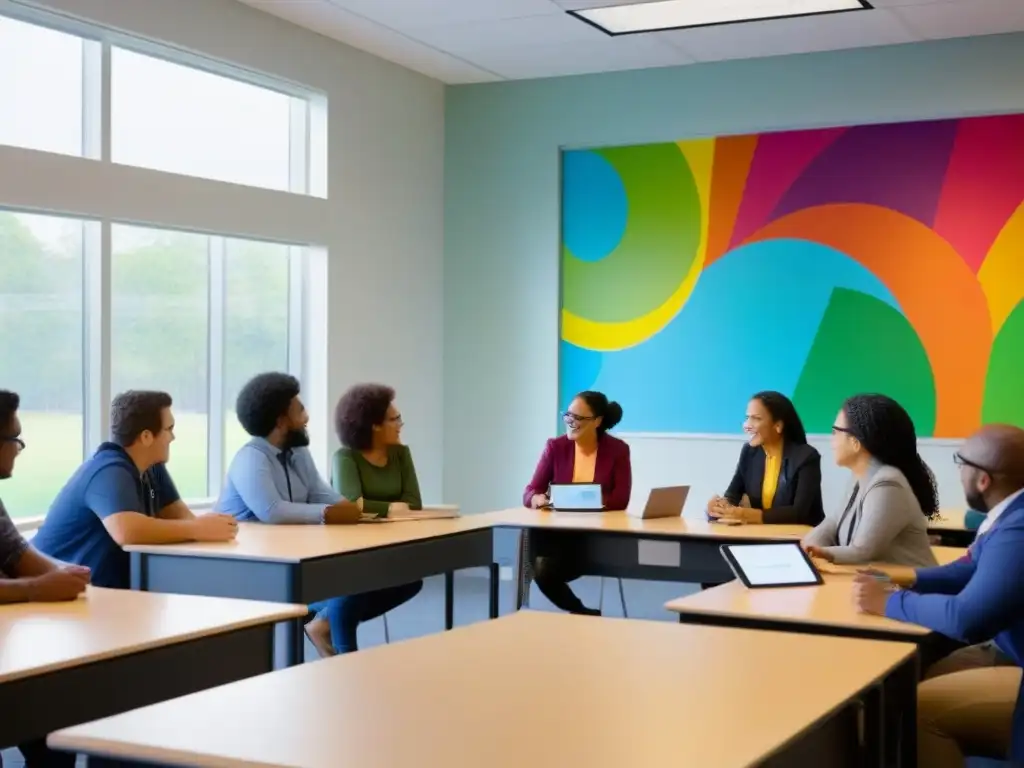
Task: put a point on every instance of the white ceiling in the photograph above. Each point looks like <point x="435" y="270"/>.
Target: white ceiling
<point x="470" y="41"/>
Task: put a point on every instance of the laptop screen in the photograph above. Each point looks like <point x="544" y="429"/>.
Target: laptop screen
<point x="576" y="496"/>
<point x="772" y="565"/>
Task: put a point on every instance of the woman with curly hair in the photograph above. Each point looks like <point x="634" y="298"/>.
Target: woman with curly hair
<point x="885" y="519"/>
<point x="373" y="465"/>
<point x="374" y="470"/>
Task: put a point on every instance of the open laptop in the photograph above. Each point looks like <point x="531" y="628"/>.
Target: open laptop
<point x="664" y="502"/>
<point x="771" y="564"/>
<point x="575" y="497"/>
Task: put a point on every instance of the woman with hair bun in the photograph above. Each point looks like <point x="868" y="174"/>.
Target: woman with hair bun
<point x="586" y="453"/>
<point x="885" y="518"/>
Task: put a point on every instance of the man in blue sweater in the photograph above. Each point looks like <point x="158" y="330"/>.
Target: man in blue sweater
<point x="968" y="706"/>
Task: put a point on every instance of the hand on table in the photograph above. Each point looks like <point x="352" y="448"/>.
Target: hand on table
<point x="870" y="593"/>
<point x="398" y="508"/>
<point x="716" y="506"/>
<point x="58" y="586"/>
<point x="343" y="513"/>
<point x="539" y="500"/>
<point x="818" y="553"/>
<point x="215" y="526"/>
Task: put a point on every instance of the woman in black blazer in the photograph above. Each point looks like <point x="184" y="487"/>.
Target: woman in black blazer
<point x="778" y="471"/>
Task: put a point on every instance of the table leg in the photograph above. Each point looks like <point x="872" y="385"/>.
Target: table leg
<point x="873" y="728"/>
<point x="495" y="584"/>
<point x="903" y="696"/>
<point x="449" y="600"/>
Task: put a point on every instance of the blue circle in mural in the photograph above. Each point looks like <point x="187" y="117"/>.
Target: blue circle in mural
<point x="594" y="205"/>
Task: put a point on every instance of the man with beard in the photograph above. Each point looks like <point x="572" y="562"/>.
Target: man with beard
<point x="123" y="494"/>
<point x="273" y="479"/>
<point x="966" y="706"/>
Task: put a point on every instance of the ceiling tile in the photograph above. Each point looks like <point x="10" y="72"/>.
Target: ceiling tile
<point x="365" y="35"/>
<point x="579" y="5"/>
<point x="901" y="3"/>
<point x="964" y="19"/>
<point x="469" y="40"/>
<point x="402" y="14"/>
<point x="581" y="57"/>
<point x="797" y="35"/>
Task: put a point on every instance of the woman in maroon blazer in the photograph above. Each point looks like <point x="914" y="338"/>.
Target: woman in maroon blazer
<point x="585" y="454"/>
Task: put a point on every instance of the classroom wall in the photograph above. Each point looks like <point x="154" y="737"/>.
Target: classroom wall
<point x="501" y="282"/>
<point x="382" y="224"/>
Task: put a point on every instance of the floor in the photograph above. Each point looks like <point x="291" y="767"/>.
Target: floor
<point x="425" y="615"/>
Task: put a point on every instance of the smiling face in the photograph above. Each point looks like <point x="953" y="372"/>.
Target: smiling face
<point x="580" y="421"/>
<point x="845" y="447"/>
<point x="390" y="431"/>
<point x="759" y="426"/>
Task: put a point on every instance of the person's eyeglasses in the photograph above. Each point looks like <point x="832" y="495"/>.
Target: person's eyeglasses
<point x="836" y="430"/>
<point x="396" y="420"/>
<point x="960" y="461"/>
<point x="574" y="418"/>
<point x="16" y="440"/>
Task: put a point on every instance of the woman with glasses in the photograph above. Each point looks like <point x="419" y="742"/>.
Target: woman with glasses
<point x="885" y="518"/>
<point x="375" y="470"/>
<point x="586" y="453"/>
<point x="778" y="472"/>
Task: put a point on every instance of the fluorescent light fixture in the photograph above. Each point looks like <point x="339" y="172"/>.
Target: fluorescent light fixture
<point x="680" y="14"/>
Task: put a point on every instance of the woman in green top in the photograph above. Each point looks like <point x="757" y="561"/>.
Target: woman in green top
<point x="375" y="470"/>
<point x="374" y="466"/>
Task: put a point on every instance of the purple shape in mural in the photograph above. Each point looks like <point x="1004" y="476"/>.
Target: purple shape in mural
<point x="898" y="166"/>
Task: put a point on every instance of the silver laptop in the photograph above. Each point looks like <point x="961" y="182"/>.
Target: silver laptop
<point x="665" y="502"/>
<point x="576" y="497"/>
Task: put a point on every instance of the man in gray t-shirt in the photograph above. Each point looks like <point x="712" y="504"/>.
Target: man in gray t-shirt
<point x="25" y="575"/>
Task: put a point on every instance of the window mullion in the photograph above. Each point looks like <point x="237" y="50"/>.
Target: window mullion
<point x="215" y="365"/>
<point x="97" y="332"/>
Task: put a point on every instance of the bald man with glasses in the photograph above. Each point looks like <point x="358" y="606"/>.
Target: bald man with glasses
<point x="968" y="703"/>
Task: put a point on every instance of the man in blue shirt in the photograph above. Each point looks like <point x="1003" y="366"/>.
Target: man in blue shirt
<point x="25" y="575"/>
<point x="968" y="705"/>
<point x="273" y="479"/>
<point x="124" y="495"/>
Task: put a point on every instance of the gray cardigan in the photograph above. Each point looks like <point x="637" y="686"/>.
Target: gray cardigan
<point x="880" y="522"/>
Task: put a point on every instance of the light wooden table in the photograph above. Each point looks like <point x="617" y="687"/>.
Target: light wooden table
<point x="113" y="650"/>
<point x="948" y="520"/>
<point x="618" y="545"/>
<point x="308" y="563"/>
<point x="951" y="528"/>
<point x="530" y="689"/>
<point x="821" y="610"/>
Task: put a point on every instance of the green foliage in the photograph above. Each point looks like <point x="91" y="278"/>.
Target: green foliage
<point x="159" y="320"/>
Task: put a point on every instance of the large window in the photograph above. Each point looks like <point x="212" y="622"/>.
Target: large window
<point x="40" y="88"/>
<point x="90" y="307"/>
<point x="183" y="120"/>
<point x="41" y="351"/>
<point x="159" y="329"/>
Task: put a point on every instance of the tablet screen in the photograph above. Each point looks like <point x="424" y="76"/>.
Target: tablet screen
<point x="576" y="496"/>
<point x="771" y="565"/>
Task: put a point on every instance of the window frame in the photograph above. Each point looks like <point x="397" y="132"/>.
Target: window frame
<point x="307" y="176"/>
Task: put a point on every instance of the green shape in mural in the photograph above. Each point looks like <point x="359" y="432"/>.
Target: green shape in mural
<point x="1004" y="393"/>
<point x="661" y="239"/>
<point x="864" y="345"/>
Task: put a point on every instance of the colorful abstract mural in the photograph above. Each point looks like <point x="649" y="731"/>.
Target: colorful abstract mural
<point x="884" y="258"/>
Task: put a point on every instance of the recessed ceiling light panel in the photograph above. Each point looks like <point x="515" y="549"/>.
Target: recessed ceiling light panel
<point x="681" y="14"/>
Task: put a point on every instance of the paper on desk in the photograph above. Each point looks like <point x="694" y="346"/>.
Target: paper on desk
<point x="421" y="514"/>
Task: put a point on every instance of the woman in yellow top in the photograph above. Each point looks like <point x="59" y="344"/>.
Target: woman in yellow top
<point x="778" y="472"/>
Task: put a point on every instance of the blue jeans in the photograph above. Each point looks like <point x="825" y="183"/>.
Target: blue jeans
<point x="344" y="614"/>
